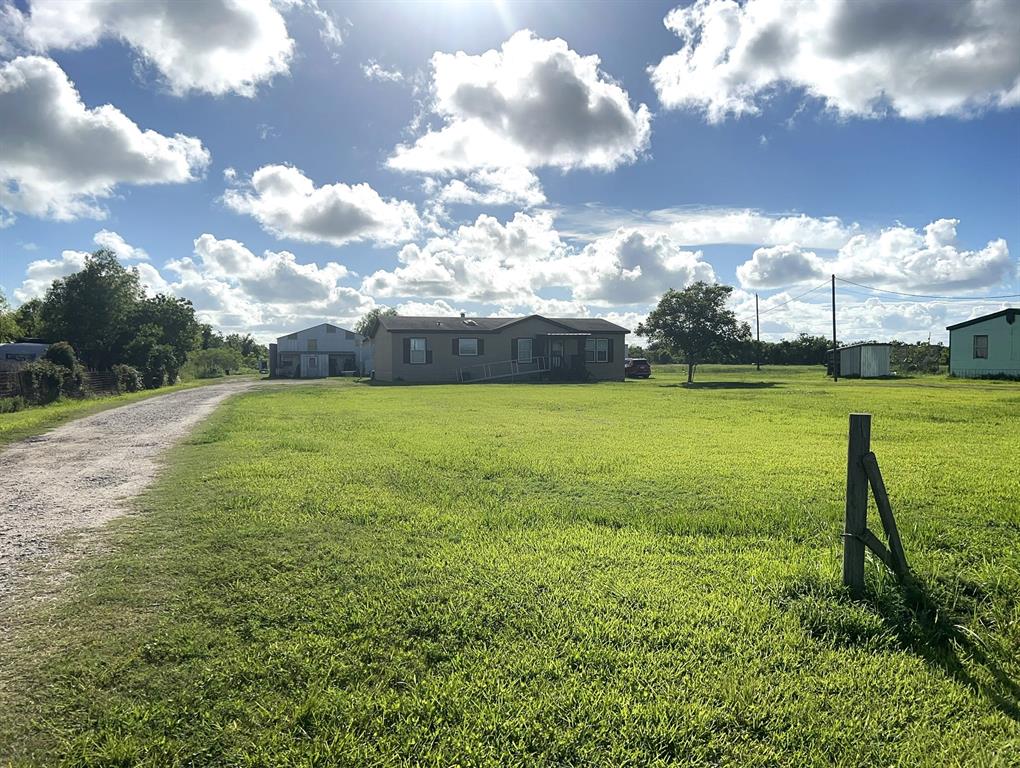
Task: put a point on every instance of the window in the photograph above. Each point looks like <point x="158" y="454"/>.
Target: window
<point x="313" y="345"/>
<point x="596" y="350"/>
<point x="981" y="347"/>
<point x="330" y="329"/>
<point x="467" y="347"/>
<point x="524" y="350"/>
<point x="418" y="351"/>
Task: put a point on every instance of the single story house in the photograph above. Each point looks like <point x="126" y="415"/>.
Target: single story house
<point x="17" y="353"/>
<point x="465" y="349"/>
<point x="986" y="346"/>
<point x="320" y="351"/>
<point x="866" y="360"/>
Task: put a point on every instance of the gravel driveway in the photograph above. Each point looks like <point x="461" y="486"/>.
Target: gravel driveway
<point x="80" y="475"/>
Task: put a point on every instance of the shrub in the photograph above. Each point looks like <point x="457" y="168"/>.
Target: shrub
<point x="61" y="353"/>
<point x="42" y="381"/>
<point x="161" y="367"/>
<point x="128" y="379"/>
<point x="73" y="384"/>
<point x="12" y="404"/>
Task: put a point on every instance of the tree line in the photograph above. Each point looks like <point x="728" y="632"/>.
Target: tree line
<point x="104" y="315"/>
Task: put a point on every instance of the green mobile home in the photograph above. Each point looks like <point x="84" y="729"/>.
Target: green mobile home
<point x="986" y="346"/>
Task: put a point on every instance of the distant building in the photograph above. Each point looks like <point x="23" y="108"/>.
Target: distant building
<point x="17" y="353"/>
<point x="320" y="351"/>
<point x="986" y="346"/>
<point x="867" y="360"/>
<point x="462" y="349"/>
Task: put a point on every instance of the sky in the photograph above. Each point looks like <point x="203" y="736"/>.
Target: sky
<point x="281" y="164"/>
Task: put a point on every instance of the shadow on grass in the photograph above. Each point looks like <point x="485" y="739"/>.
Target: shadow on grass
<point x="911" y="617"/>
<point x="722" y="385"/>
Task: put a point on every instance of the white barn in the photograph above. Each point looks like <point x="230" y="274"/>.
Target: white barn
<point x="867" y="360"/>
<point x="320" y="351"/>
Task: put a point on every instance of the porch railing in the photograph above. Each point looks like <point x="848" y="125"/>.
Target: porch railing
<point x="503" y="369"/>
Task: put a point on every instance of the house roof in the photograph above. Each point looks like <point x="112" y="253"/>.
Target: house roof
<point x="494" y="324"/>
<point x="312" y="328"/>
<point x="1010" y="315"/>
<point x="866" y="344"/>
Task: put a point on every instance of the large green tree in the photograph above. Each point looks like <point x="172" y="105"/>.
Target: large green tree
<point x="368" y="321"/>
<point x="166" y="331"/>
<point x="694" y="324"/>
<point x="9" y="328"/>
<point x="28" y="319"/>
<point x="94" y="309"/>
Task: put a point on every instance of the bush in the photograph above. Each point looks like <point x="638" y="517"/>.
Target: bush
<point x="42" y="381"/>
<point x="128" y="379"/>
<point x="74" y="381"/>
<point x="160" y="368"/>
<point x="61" y="353"/>
<point x="12" y="404"/>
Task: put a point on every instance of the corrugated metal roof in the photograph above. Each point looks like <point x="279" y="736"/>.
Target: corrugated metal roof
<point x="492" y="324"/>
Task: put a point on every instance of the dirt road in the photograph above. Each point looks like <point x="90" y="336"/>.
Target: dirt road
<point x="80" y="475"/>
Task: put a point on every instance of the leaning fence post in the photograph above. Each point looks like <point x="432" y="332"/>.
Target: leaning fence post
<point x="856" y="503"/>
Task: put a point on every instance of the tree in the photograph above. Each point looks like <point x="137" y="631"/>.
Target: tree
<point x="94" y="309"/>
<point x="170" y="322"/>
<point x="9" y="326"/>
<point x="209" y="363"/>
<point x="695" y="324"/>
<point x="62" y="354"/>
<point x="27" y="318"/>
<point x="366" y="325"/>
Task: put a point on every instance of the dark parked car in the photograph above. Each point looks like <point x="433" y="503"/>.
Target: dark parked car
<point x="636" y="368"/>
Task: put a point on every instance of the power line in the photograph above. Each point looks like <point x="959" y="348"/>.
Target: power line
<point x="924" y="296"/>
<point x="798" y="296"/>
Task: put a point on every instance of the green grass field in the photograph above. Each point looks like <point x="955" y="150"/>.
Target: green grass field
<point x="628" y="573"/>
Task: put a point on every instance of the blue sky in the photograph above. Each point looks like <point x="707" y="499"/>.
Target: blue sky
<point x="255" y="165"/>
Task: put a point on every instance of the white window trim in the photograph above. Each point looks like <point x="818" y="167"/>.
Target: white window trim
<point x="531" y="350"/>
<point x="460" y="347"/>
<point x="423" y="350"/>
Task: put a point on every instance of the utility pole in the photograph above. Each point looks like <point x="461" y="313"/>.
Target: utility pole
<point x="757" y="335"/>
<point x="835" y="351"/>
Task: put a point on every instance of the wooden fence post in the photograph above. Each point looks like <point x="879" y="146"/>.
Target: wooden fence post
<point x="856" y="503"/>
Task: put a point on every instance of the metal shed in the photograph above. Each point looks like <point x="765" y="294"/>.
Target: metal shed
<point x="867" y="360"/>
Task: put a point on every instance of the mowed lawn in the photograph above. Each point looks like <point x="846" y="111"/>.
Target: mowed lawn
<point x="631" y="573"/>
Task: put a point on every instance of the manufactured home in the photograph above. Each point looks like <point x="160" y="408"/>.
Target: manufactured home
<point x="470" y="349"/>
<point x="320" y="351"/>
<point x="986" y="346"/>
<point x="18" y="353"/>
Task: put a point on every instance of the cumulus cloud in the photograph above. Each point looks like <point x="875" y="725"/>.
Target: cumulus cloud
<point x="114" y="242"/>
<point x="511" y="264"/>
<point x="532" y="103"/>
<point x="41" y="272"/>
<point x="58" y="158"/>
<point x="915" y="58"/>
<point x="897" y="257"/>
<point x="214" y="46"/>
<point x="288" y="204"/>
<point x="495" y="186"/>
<point x="779" y="266"/>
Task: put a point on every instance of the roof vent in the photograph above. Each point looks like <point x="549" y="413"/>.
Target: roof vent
<point x="462" y="315"/>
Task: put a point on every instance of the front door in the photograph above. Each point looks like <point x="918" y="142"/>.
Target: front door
<point x="556" y="354"/>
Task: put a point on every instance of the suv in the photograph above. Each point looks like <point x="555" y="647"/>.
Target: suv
<point x="636" y="368"/>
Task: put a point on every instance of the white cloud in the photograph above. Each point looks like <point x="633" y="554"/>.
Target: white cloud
<point x="898" y="257"/>
<point x="373" y="70"/>
<point x="916" y="58"/>
<point x="712" y="226"/>
<point x="510" y="264"/>
<point x="288" y="204"/>
<point x="58" y="157"/>
<point x="532" y="103"/>
<point x="235" y="289"/>
<point x="40" y="273"/>
<point x="331" y="32"/>
<point x="214" y="46"/>
<point x="495" y="186"/>
<point x="779" y="266"/>
<point x="113" y="242"/>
